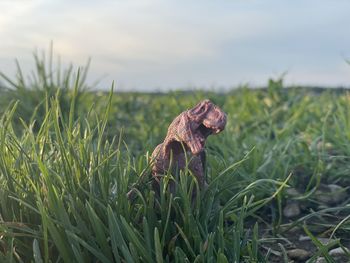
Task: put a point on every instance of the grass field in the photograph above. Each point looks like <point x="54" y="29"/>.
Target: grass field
<point x="278" y="175"/>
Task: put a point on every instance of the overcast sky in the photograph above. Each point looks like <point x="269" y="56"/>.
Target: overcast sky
<point x="160" y="44"/>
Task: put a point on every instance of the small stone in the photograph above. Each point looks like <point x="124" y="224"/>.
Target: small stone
<point x="304" y="238"/>
<point x="330" y="194"/>
<point x="338" y="193"/>
<point x="323" y="240"/>
<point x="298" y="254"/>
<point x="292" y="209"/>
<point x="292" y="192"/>
<point x="336" y="252"/>
<point x="321" y="260"/>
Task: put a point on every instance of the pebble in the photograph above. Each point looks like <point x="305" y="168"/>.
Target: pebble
<point x="321" y="260"/>
<point x="292" y="209"/>
<point x="338" y="252"/>
<point x="298" y="254"/>
<point x="330" y="194"/>
<point x="323" y="240"/>
<point x="292" y="192"/>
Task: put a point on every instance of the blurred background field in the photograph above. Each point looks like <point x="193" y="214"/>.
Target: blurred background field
<point x="278" y="175"/>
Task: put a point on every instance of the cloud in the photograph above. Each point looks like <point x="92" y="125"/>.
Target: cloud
<point x="172" y="43"/>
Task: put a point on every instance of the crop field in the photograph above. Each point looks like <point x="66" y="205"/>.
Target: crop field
<point x="278" y="175"/>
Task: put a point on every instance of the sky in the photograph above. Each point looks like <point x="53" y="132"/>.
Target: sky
<point x="160" y="45"/>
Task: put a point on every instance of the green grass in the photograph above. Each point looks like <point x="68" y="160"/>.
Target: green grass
<point x="68" y="156"/>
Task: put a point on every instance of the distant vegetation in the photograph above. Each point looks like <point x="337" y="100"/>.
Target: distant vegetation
<point x="278" y="175"/>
